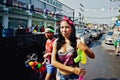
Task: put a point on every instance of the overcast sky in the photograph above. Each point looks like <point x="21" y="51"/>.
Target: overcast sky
<point x="97" y="11"/>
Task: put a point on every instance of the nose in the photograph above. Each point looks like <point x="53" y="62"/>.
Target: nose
<point x="64" y="29"/>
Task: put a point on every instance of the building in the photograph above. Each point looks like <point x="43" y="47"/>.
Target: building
<point x="32" y="12"/>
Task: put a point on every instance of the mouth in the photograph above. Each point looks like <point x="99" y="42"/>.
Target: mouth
<point x="64" y="33"/>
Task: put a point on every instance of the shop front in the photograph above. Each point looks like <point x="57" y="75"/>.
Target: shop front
<point x="39" y="23"/>
<point x="15" y="22"/>
<point x="50" y="23"/>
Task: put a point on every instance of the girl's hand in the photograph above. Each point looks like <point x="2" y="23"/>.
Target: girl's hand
<point x="82" y="46"/>
<point x="87" y="50"/>
<point x="79" y="71"/>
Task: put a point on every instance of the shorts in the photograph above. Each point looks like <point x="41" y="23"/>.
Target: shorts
<point x="50" y="69"/>
<point x="68" y="77"/>
<point x="117" y="43"/>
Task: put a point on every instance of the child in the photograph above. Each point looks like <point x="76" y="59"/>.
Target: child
<point x="51" y="70"/>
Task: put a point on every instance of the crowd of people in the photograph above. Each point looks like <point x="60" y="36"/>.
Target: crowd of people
<point x="32" y="29"/>
<point x="35" y="28"/>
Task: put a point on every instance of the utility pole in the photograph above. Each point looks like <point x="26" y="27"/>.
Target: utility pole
<point x="81" y="13"/>
<point x="73" y="15"/>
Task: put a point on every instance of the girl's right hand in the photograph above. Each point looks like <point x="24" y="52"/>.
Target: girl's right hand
<point x="79" y="71"/>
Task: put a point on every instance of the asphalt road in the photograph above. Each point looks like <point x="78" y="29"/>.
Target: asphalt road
<point x="105" y="66"/>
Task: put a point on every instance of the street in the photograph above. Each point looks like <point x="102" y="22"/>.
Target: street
<point x="105" y="66"/>
<point x="23" y="38"/>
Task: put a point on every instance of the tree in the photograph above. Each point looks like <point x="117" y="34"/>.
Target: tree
<point x="118" y="17"/>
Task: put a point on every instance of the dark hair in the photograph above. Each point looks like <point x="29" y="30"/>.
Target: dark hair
<point x="61" y="39"/>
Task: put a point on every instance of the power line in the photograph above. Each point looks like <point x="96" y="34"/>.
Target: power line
<point x="100" y="17"/>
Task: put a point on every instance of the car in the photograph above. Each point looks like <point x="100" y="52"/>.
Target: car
<point x="109" y="39"/>
<point x="95" y="33"/>
<point x="84" y="35"/>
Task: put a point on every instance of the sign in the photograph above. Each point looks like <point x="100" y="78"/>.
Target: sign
<point x="118" y="23"/>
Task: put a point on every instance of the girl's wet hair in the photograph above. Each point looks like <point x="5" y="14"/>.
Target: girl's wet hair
<point x="61" y="39"/>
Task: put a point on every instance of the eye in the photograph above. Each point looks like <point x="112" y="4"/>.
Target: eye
<point x="62" y="27"/>
<point x="67" y="27"/>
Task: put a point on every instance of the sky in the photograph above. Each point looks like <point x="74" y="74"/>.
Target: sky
<point x="95" y="11"/>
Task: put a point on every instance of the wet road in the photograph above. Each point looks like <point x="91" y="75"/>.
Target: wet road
<point x="105" y="66"/>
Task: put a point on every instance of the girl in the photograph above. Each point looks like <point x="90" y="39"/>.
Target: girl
<point x="65" y="50"/>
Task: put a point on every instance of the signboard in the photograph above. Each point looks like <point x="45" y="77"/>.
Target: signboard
<point x="118" y="23"/>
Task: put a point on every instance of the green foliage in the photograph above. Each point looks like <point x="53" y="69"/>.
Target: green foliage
<point x="118" y="17"/>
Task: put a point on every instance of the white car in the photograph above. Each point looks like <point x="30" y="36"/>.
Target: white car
<point x="95" y="33"/>
<point x="109" y="39"/>
<point x="84" y="35"/>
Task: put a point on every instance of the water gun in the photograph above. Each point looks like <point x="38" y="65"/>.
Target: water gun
<point x="81" y="57"/>
<point x="37" y="66"/>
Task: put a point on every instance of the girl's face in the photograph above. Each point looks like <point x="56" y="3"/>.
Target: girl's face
<point x="65" y="29"/>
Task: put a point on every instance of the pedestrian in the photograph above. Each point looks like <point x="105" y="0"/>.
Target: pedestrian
<point x="42" y="29"/>
<point x="1" y="29"/>
<point x="20" y="26"/>
<point x="36" y="28"/>
<point x="65" y="50"/>
<point x="116" y="35"/>
<point x="32" y="28"/>
<point x="27" y="29"/>
<point x="51" y="70"/>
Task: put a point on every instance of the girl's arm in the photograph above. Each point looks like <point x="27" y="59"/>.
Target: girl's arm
<point x="86" y="49"/>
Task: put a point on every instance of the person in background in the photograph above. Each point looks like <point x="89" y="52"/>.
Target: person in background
<point x="116" y="35"/>
<point x="42" y="29"/>
<point x="20" y="26"/>
<point x="36" y="28"/>
<point x="27" y="29"/>
<point x="1" y="29"/>
<point x="32" y="28"/>
<point x="65" y="50"/>
<point x="51" y="70"/>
